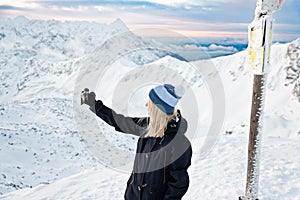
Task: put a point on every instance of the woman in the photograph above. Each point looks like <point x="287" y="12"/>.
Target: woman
<point x="163" y="152"/>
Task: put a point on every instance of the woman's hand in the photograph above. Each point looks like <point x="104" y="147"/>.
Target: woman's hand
<point x="88" y="97"/>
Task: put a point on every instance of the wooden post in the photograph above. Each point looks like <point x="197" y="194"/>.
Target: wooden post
<point x="255" y="136"/>
<point x="260" y="40"/>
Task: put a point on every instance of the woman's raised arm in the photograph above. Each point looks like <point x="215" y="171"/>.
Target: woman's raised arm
<point x="135" y="126"/>
<point x="131" y="125"/>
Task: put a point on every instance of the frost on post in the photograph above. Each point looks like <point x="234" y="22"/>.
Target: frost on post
<point x="293" y="67"/>
<point x="255" y="136"/>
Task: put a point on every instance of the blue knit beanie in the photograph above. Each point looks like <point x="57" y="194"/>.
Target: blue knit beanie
<point x="166" y="97"/>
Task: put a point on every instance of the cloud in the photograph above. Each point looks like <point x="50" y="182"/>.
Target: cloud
<point x="187" y="10"/>
<point x="20" y="4"/>
<point x="5" y="7"/>
<point x="187" y="3"/>
<point x="215" y="47"/>
<point x="193" y="52"/>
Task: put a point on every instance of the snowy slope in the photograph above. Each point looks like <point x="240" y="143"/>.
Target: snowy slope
<point x="281" y="106"/>
<point x="221" y="175"/>
<point x="40" y="144"/>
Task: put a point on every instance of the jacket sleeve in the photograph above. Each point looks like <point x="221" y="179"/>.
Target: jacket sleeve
<point x="119" y="122"/>
<point x="179" y="179"/>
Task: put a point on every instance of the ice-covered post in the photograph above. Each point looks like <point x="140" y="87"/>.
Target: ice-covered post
<point x="259" y="47"/>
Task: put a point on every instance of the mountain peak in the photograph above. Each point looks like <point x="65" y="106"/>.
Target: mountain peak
<point x="119" y="24"/>
<point x="21" y="19"/>
<point x="296" y="41"/>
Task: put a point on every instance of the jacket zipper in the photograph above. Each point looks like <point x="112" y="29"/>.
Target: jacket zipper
<point x="162" y="139"/>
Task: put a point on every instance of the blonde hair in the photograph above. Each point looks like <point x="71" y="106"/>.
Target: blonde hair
<point x="158" y="120"/>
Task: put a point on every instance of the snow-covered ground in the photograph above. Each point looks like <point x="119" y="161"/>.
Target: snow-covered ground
<point x="221" y="175"/>
<point x="44" y="154"/>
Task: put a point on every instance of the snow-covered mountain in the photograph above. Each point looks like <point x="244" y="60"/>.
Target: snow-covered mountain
<point x="32" y="48"/>
<point x="42" y="142"/>
<point x="36" y="116"/>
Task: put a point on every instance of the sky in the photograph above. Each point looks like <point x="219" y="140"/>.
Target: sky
<point x="217" y="19"/>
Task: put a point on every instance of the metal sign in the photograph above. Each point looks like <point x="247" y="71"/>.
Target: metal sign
<point x="260" y="39"/>
<point x="269" y="5"/>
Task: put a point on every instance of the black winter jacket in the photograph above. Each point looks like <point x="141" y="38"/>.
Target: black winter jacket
<point x="161" y="163"/>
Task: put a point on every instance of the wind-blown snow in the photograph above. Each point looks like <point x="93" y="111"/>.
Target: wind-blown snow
<point x="40" y="146"/>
